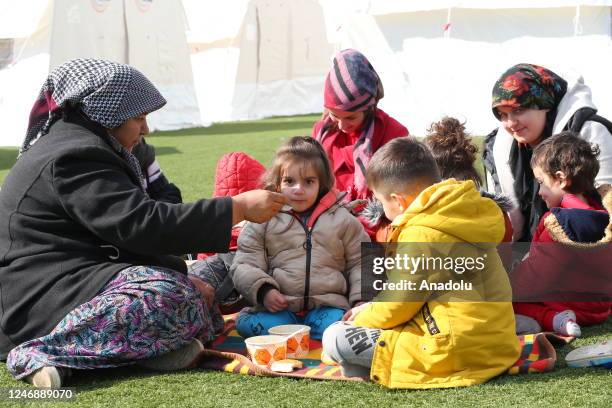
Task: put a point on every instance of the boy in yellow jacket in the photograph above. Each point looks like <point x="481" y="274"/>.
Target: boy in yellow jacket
<point x="434" y="332"/>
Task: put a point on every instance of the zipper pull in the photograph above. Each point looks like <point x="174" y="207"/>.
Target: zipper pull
<point x="308" y="243"/>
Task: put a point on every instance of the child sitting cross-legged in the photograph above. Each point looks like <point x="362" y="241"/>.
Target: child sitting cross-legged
<point x="433" y="340"/>
<point x="571" y="252"/>
<point x="304" y="265"/>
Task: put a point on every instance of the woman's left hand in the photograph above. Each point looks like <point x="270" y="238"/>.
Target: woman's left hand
<point x="206" y="289"/>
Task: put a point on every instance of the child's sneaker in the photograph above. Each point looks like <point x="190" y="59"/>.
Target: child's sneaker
<point x="565" y="323"/>
<point x="589" y="356"/>
<point x="187" y="356"/>
<point x="48" y="377"/>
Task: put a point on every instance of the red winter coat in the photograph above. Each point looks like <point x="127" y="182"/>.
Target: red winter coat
<point x="564" y="264"/>
<point x="236" y="173"/>
<point x="339" y="148"/>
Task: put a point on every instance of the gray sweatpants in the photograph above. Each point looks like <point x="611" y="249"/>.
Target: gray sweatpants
<point x="352" y="347"/>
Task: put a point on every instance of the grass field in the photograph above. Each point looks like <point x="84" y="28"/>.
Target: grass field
<point x="188" y="158"/>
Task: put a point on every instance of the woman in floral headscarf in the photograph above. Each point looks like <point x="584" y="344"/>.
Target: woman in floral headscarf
<point x="87" y="275"/>
<point x="353" y="127"/>
<point x="532" y="103"/>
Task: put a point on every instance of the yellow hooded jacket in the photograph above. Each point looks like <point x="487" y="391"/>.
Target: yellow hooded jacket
<point x="438" y="343"/>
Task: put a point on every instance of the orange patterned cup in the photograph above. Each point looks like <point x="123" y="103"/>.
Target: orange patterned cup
<point x="298" y="338"/>
<point x="265" y="350"/>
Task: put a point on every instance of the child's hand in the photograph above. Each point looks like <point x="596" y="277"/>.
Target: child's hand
<point x="274" y="301"/>
<point x="206" y="289"/>
<point x="350" y="314"/>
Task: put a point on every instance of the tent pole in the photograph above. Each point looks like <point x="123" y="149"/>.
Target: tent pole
<point x="447" y="26"/>
<point x="577" y="26"/>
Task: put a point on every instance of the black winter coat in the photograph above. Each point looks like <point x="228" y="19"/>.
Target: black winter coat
<point x="72" y="215"/>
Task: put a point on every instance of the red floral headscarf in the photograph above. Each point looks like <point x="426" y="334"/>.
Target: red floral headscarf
<point x="528" y="86"/>
<point x="531" y="87"/>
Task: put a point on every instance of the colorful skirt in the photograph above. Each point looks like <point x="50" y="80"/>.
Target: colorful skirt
<point x="141" y="313"/>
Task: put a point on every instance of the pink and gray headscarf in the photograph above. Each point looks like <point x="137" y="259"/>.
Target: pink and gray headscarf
<point x="106" y="92"/>
<point x="353" y="85"/>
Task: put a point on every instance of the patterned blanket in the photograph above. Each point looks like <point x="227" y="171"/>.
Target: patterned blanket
<point x="228" y="353"/>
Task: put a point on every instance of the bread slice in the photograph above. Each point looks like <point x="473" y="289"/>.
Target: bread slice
<point x="286" y="366"/>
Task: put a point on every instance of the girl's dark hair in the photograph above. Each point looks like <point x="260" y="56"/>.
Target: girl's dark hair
<point x="453" y="150"/>
<point x="574" y="156"/>
<point x="368" y="115"/>
<point x="300" y="150"/>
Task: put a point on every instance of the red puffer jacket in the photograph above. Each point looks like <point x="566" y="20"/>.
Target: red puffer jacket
<point x="236" y="173"/>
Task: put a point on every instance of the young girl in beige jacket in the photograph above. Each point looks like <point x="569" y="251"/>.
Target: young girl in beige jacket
<point x="303" y="266"/>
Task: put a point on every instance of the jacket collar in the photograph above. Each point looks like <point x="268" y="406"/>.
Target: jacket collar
<point x="572" y="201"/>
<point x="333" y="198"/>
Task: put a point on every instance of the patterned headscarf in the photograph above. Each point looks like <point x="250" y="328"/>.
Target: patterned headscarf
<point x="531" y="87"/>
<point x="353" y="85"/>
<point x="108" y="93"/>
<point x="528" y="86"/>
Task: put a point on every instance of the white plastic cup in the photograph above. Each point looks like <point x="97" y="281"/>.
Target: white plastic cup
<point x="298" y="338"/>
<point x="264" y="350"/>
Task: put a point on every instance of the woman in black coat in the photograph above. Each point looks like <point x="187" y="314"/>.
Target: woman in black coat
<point x="88" y="276"/>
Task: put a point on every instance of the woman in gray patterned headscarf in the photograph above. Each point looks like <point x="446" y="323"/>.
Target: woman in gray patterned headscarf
<point x="86" y="268"/>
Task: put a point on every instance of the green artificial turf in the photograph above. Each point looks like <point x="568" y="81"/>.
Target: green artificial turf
<point x="188" y="157"/>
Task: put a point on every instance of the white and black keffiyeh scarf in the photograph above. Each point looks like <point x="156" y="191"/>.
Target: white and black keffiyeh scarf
<point x="107" y="92"/>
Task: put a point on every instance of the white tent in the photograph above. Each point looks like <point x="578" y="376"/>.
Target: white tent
<point x="267" y="58"/>
<point x="39" y="35"/>
<point x="443" y="57"/>
<point x="260" y="58"/>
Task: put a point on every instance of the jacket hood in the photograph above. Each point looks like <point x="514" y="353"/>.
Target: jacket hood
<point x="578" y="96"/>
<point x="373" y="212"/>
<point x="236" y="173"/>
<point x="581" y="227"/>
<point x="457" y="209"/>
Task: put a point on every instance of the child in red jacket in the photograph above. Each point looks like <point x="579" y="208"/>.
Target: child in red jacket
<point x="353" y="128"/>
<point x="569" y="258"/>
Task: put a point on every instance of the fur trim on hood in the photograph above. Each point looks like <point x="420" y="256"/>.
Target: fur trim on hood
<point x="558" y="233"/>
<point x="373" y="213"/>
<point x="503" y="201"/>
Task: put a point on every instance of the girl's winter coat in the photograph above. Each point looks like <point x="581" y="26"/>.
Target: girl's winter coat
<point x="314" y="264"/>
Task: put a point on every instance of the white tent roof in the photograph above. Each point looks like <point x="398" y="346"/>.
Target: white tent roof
<point x="380" y="7"/>
<point x="19" y="19"/>
<point x="257" y="58"/>
<point x="438" y="61"/>
<point x="149" y="35"/>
